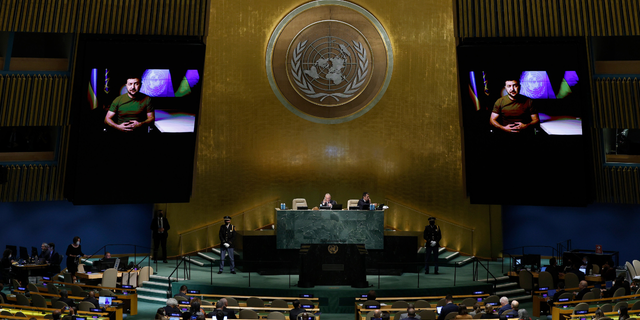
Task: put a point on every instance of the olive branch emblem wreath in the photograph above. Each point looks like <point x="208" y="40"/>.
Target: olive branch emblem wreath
<point x="306" y="87"/>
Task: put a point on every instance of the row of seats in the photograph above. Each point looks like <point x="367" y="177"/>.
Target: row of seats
<point x="253" y="302"/>
<point x="469" y="302"/>
<point x="607" y="306"/>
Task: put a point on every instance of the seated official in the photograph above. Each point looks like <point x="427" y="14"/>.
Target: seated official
<point x="447" y="308"/>
<point x="218" y="312"/>
<point x="293" y="313"/>
<point x="64" y="297"/>
<point x="504" y="305"/>
<point x="489" y="313"/>
<point x="365" y="202"/>
<point x="172" y="307"/>
<point x="45" y="255"/>
<point x="92" y="298"/>
<point x="106" y="256"/>
<point x="620" y="282"/>
<point x="327" y="202"/>
<point x="408" y="313"/>
<point x="583" y="289"/>
<point x="463" y="313"/>
<point x="183" y="292"/>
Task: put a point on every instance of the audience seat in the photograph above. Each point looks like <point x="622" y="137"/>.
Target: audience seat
<point x="569" y="295"/>
<point x="597" y="293"/>
<point x="636" y="266"/>
<point x="20" y="314"/>
<point x="48" y="316"/>
<point x="581" y="307"/>
<point x="606" y="307"/>
<point x="352" y="203"/>
<point x="306" y="302"/>
<point x="595" y="268"/>
<point x="450" y="315"/>
<point x="6" y="313"/>
<point x="427" y="314"/>
<point x="441" y="303"/>
<point x="526" y="280"/>
<point x="38" y="301"/>
<point x="422" y="304"/>
<point x="32" y="287"/>
<point x="279" y="303"/>
<point x="478" y="315"/>
<point x="492" y="299"/>
<point x="619" y="292"/>
<point x="469" y="302"/>
<point x="51" y="288"/>
<point x="59" y="305"/>
<point x="369" y="303"/>
<point x="85" y="306"/>
<point x="77" y="291"/>
<point x="255" y="302"/>
<point x="109" y="278"/>
<point x="248" y="314"/>
<point x="276" y="315"/>
<point x="106" y="293"/>
<point x="182" y="298"/>
<point x="571" y="280"/>
<point x="636" y="306"/>
<point x="631" y="269"/>
<point x="232" y="302"/>
<point x="400" y="304"/>
<point x="22" y="300"/>
<point x="620" y="304"/>
<point x="67" y="277"/>
<point x="206" y="303"/>
<point x="397" y="315"/>
<point x="545" y="280"/>
<point x="298" y="202"/>
<point x="588" y="296"/>
<point x="144" y="275"/>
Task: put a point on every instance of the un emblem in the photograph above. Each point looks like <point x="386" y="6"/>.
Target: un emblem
<point x="329" y="61"/>
<point x="333" y="249"/>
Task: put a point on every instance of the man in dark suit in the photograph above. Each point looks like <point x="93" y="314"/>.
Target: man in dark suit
<point x="365" y="202"/>
<point x="432" y="236"/>
<point x="293" y="313"/>
<point x="227" y="235"/>
<point x="64" y="297"/>
<point x="583" y="289"/>
<point x="448" y="308"/>
<point x="554" y="270"/>
<point x="92" y="298"/>
<point x="327" y="202"/>
<point x="575" y="269"/>
<point x="160" y="226"/>
<point x="183" y="292"/>
<point x="228" y="312"/>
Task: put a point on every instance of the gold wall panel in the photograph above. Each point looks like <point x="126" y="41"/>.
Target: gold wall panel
<point x="251" y="149"/>
<point x="543" y="18"/>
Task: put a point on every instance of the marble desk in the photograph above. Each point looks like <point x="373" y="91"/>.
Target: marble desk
<point x="296" y="227"/>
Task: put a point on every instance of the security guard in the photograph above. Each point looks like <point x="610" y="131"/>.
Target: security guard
<point x="432" y="235"/>
<point x="227" y="234"/>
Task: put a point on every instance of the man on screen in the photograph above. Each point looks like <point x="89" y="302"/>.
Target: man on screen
<point x="514" y="113"/>
<point x="131" y="112"/>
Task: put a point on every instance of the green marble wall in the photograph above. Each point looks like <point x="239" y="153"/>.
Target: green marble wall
<point x="296" y="227"/>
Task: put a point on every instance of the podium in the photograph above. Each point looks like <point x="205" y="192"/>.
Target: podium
<point x="333" y="264"/>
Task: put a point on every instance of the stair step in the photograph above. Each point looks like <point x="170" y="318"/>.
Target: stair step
<point x="142" y="289"/>
<point x="153" y="276"/>
<point x="450" y="256"/>
<point x="196" y="262"/>
<point x="442" y="249"/>
<point x="508" y="292"/>
<point x="461" y="260"/>
<point x="206" y="257"/>
<point x="154" y="283"/>
<point x="143" y="297"/>
<point x="506" y="285"/>
<point x="498" y="279"/>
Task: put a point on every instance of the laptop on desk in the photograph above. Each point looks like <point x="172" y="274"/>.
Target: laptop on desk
<point x="105" y="301"/>
<point x="337" y="207"/>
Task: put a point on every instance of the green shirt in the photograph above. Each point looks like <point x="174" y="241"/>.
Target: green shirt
<point x="512" y="111"/>
<point x="128" y="109"/>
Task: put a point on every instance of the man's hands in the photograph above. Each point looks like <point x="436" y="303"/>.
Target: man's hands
<point x="433" y="243"/>
<point x="226" y="245"/>
<point x="515" y="127"/>
<point x="128" y="126"/>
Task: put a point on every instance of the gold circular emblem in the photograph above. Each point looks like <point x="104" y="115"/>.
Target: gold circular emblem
<point x="329" y="61"/>
<point x="333" y="249"/>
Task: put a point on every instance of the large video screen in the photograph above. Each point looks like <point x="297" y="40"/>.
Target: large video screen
<point x="134" y="119"/>
<point x="524" y="105"/>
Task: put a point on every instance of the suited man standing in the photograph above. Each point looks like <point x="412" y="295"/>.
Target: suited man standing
<point x="432" y="235"/>
<point x="227" y="234"/>
<point x="160" y="226"/>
